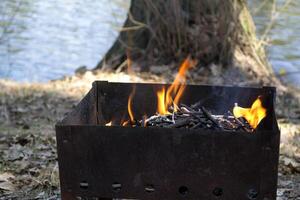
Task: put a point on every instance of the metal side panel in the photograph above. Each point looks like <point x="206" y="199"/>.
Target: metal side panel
<point x="169" y="164"/>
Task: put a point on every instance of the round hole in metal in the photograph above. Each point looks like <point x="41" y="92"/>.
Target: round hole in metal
<point x="217" y="191"/>
<point x="252" y="194"/>
<point x="84" y="185"/>
<point x="183" y="190"/>
<point x="116" y="186"/>
<point x="149" y="188"/>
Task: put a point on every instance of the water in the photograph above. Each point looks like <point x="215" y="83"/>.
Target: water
<point x="284" y="48"/>
<point x="49" y="39"/>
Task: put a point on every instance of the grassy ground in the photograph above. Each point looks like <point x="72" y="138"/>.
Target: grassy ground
<point x="28" y="113"/>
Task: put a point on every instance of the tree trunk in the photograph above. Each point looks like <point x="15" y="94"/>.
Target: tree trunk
<point x="160" y="32"/>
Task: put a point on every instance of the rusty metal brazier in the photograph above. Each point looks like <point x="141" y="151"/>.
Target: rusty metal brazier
<point x="108" y="162"/>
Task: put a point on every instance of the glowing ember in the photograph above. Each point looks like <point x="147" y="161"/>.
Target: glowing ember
<point x="253" y="115"/>
<point x="175" y="91"/>
<point x="125" y="123"/>
<point x="144" y="120"/>
<point x="109" y="124"/>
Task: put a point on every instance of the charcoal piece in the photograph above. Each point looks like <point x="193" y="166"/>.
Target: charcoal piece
<point x="211" y="118"/>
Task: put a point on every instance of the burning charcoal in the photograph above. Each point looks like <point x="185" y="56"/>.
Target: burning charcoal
<point x="227" y="124"/>
<point x="158" y="120"/>
<point x="196" y="105"/>
<point x="194" y="118"/>
<point x="187" y="108"/>
<point x="211" y="118"/>
<point x="242" y="123"/>
<point x="179" y="123"/>
<point x="198" y="125"/>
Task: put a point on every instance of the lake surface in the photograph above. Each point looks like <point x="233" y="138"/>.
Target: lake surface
<point x="51" y="38"/>
<point x="44" y="40"/>
<point x="284" y="48"/>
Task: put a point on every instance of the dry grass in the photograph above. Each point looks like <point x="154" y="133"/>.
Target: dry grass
<point x="28" y="114"/>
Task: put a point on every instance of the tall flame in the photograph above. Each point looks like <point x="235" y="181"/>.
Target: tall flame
<point x="253" y="115"/>
<point x="175" y="91"/>
<point x="129" y="108"/>
<point x="129" y="103"/>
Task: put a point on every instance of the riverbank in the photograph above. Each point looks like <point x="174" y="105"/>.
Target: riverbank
<point x="28" y="113"/>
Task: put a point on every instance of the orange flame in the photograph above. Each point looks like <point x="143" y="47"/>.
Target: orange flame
<point x="144" y="120"/>
<point x="175" y="91"/>
<point x="161" y="106"/>
<point x="130" y="72"/>
<point x="125" y="123"/>
<point x="129" y="104"/>
<point x="253" y="115"/>
<point x="109" y="123"/>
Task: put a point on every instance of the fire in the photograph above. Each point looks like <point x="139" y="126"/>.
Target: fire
<point x="161" y="106"/>
<point x="125" y="123"/>
<point x="129" y="103"/>
<point x="144" y="120"/>
<point x="175" y="91"/>
<point x="129" y="108"/>
<point x="109" y="124"/>
<point x="253" y="115"/>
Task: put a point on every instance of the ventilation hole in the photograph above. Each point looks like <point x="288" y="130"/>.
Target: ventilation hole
<point x="183" y="190"/>
<point x="116" y="187"/>
<point x="252" y="194"/>
<point x="83" y="185"/>
<point x="149" y="188"/>
<point x="218" y="191"/>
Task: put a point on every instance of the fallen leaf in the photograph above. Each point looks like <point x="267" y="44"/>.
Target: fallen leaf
<point x="282" y="71"/>
<point x="5" y="182"/>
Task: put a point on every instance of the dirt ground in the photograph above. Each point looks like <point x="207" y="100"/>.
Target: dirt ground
<point x="28" y="113"/>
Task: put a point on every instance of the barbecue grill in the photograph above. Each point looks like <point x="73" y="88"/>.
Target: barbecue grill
<point x="108" y="162"/>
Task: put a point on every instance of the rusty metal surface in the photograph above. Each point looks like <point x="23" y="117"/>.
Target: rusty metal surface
<point x="154" y="163"/>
